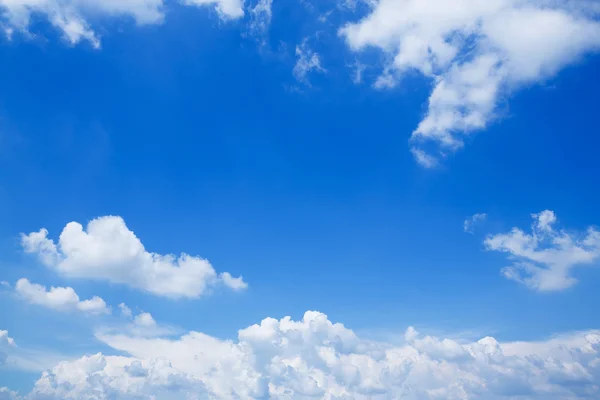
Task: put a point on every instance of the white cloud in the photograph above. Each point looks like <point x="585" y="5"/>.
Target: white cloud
<point x="227" y="9"/>
<point x="314" y="358"/>
<point x="125" y="311"/>
<point x="233" y="283"/>
<point x="307" y="61"/>
<point x="543" y="260"/>
<point x="472" y="221"/>
<point x="71" y="16"/>
<point x="6" y="344"/>
<point x="145" y="320"/>
<point x="260" y="18"/>
<point x="59" y="298"/>
<point x="6" y="394"/>
<point x="29" y="360"/>
<point x="423" y="158"/>
<point x="108" y="250"/>
<point x="476" y="52"/>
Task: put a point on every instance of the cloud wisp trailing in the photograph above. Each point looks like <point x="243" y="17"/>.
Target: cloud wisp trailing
<point x="470" y="223"/>
<point x="6" y="343"/>
<point x="307" y="61"/>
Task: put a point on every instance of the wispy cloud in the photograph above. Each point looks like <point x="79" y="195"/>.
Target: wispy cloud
<point x="72" y="17"/>
<point x="543" y="260"/>
<point x="307" y="61"/>
<point x="59" y="298"/>
<point x="471" y="222"/>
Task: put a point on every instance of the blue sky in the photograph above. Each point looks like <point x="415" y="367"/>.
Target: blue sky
<point x="251" y="143"/>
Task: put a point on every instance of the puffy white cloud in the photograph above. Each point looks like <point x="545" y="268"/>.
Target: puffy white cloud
<point x="307" y="61"/>
<point x="59" y="298"/>
<point x="543" y="260"/>
<point x="472" y="221"/>
<point x="71" y="16"/>
<point x="315" y="358"/>
<point x="108" y="250"/>
<point x="476" y="52"/>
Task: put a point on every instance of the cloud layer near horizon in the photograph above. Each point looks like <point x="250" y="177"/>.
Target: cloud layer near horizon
<point x="315" y="358"/>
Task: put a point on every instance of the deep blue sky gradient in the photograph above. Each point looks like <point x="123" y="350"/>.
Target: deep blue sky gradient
<point x="208" y="146"/>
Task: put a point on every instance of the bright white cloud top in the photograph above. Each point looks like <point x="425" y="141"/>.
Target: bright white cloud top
<point x="476" y="51"/>
<point x="543" y="260"/>
<point x="59" y="298"/>
<point x="71" y="16"/>
<point x="315" y="358"/>
<point x="108" y="250"/>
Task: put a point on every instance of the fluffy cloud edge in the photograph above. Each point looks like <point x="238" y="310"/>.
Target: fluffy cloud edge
<point x="543" y="260"/>
<point x="315" y="358"/>
<point x="107" y="250"/>
<point x="63" y="299"/>
<point x="475" y="52"/>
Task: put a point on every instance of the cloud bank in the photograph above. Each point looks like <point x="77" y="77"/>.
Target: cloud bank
<point x="315" y="358"/>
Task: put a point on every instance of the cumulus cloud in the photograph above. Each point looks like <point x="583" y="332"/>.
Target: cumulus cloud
<point x="71" y="16"/>
<point x="472" y="221"/>
<point x="543" y="259"/>
<point x="476" y="52"/>
<point x="59" y="298"/>
<point x="315" y="358"/>
<point x="108" y="250"/>
<point x="307" y="61"/>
